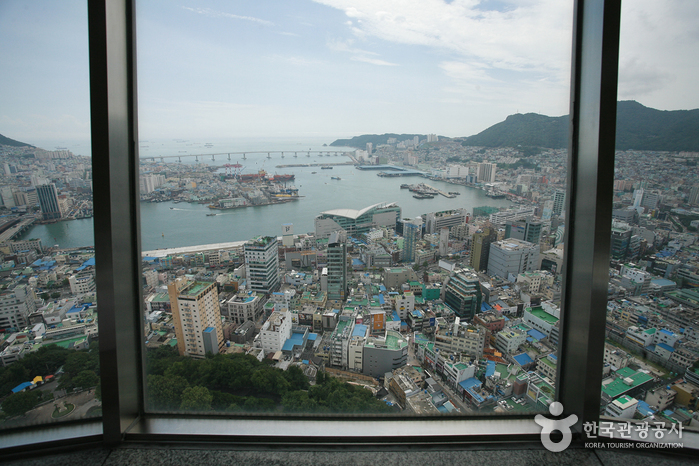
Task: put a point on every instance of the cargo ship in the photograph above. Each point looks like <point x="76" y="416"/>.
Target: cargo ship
<point x="262" y="176"/>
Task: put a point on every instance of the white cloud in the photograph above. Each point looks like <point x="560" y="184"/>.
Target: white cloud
<point x="220" y="14"/>
<point x="358" y="54"/>
<point x="373" y="61"/>
<point x="528" y="35"/>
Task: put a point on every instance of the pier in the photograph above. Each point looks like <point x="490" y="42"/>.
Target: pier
<point x="440" y="191"/>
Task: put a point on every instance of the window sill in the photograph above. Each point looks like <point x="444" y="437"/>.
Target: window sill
<point x="334" y="432"/>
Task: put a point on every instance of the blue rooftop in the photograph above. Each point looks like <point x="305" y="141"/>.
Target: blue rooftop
<point x="296" y="339"/>
<point x="209" y="330"/>
<point x="666" y="347"/>
<point x="644" y="408"/>
<point x="523" y="359"/>
<point x="21" y="387"/>
<point x="490" y="369"/>
<point x="312" y="336"/>
<point x="360" y="330"/>
<point x="535" y="334"/>
<point x="666" y="332"/>
<point x="357" y="262"/>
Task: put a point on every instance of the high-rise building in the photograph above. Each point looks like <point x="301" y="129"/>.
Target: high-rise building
<point x="621" y="238"/>
<point x="412" y="230"/>
<point x="15" y="307"/>
<point x="527" y="230"/>
<point x="444" y="241"/>
<point x="463" y="294"/>
<point x="196" y="316"/>
<point x="48" y="201"/>
<point x="559" y="202"/>
<point x="694" y="195"/>
<point x="262" y="264"/>
<point x="512" y="257"/>
<point x="480" y="248"/>
<point x="337" y="266"/>
<point x="486" y="172"/>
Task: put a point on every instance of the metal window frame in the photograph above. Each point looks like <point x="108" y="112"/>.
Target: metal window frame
<point x="118" y="264"/>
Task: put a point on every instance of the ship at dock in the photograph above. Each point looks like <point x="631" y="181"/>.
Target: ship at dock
<point x="262" y="176"/>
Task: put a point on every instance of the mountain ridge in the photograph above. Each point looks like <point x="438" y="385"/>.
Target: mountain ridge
<point x="5" y="141"/>
<point x="638" y="128"/>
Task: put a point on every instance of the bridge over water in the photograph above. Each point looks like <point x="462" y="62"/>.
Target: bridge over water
<point x="236" y="155"/>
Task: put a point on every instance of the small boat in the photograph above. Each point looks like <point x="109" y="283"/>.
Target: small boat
<point x="335" y="178"/>
<point x="313" y="173"/>
<point x="211" y="215"/>
<point x="172" y="208"/>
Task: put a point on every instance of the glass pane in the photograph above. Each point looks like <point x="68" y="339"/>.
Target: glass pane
<point x="651" y="369"/>
<point x="49" y="369"/>
<point x="325" y="264"/>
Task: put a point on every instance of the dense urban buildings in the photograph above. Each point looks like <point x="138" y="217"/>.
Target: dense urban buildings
<point x="470" y="295"/>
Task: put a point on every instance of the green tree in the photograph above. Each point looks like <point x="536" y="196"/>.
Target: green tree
<point x="196" y="399"/>
<point x="81" y="361"/>
<point x="55" y="295"/>
<point x="165" y="393"/>
<point x="44" y="296"/>
<point x="86" y="379"/>
<point x="18" y="404"/>
<point x="297" y="380"/>
<point x="255" y="404"/>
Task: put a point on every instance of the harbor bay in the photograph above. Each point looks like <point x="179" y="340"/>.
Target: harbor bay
<point x="169" y="224"/>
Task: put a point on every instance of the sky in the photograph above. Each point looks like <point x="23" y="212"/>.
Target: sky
<point x="332" y="68"/>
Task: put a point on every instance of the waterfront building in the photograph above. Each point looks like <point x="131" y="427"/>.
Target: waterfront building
<point x="480" y="248"/>
<point x="196" y="316"/>
<point x="463" y="294"/>
<point x="355" y="222"/>
<point x="337" y="266"/>
<point x="150" y="182"/>
<point x="486" y="172"/>
<point x="262" y="264"/>
<point x="48" y="201"/>
<point x="512" y="257"/>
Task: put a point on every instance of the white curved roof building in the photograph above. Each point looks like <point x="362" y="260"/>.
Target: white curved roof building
<point x="357" y="221"/>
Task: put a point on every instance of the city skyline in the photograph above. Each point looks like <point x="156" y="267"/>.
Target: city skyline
<point x="332" y="68"/>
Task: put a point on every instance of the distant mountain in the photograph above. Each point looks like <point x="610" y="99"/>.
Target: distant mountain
<point x="360" y="141"/>
<point x="529" y="129"/>
<point x="11" y="142"/>
<point x="638" y="127"/>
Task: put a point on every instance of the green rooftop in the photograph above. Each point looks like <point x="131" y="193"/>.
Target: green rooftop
<point x="543" y="315"/>
<point x="628" y="380"/>
<point x="195" y="288"/>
